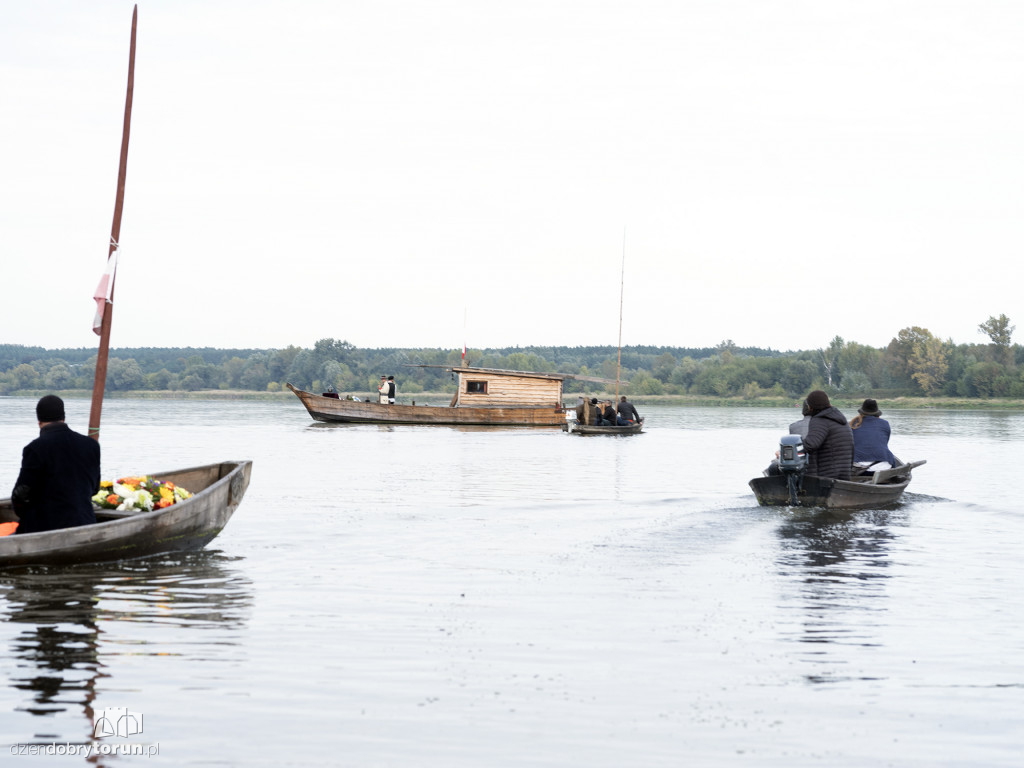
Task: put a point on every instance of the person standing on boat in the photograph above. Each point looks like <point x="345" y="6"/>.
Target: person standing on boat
<point x="829" y="440"/>
<point x="871" y="438"/>
<point x="627" y="412"/>
<point x="60" y="473"/>
<point x="392" y="390"/>
<point x="382" y="390"/>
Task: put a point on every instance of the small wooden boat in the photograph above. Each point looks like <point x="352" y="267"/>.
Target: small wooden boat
<point x="217" y="490"/>
<point x="485" y="396"/>
<point x="880" y="489"/>
<point x="582" y="423"/>
<point x="590" y="429"/>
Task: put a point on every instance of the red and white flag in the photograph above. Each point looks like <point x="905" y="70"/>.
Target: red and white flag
<point x="463" y="353"/>
<point x="104" y="290"/>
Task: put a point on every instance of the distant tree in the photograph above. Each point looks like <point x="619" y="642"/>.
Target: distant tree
<point x="59" y="377"/>
<point x="856" y="383"/>
<point x="829" y="356"/>
<point x="663" y="366"/>
<point x="159" y="380"/>
<point x="24" y="376"/>
<point x="123" y="375"/>
<point x="999" y="330"/>
<point x="898" y="353"/>
<point x="929" y="364"/>
<point x="726" y="350"/>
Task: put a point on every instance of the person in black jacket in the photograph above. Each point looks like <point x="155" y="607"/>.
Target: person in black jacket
<point x="627" y="411"/>
<point x="60" y="473"/>
<point x="609" y="416"/>
<point x="829" y="439"/>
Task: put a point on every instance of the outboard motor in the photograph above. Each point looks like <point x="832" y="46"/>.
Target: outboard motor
<point x="793" y="464"/>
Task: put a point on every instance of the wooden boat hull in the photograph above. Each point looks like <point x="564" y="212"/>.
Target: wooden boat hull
<point x="591" y="429"/>
<point x="870" y="492"/>
<point x="361" y="412"/>
<point x="188" y="525"/>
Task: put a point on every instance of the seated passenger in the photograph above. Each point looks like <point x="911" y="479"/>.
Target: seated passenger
<point x="871" y="439"/>
<point x="627" y="413"/>
<point x="610" y="416"/>
<point x="829" y="440"/>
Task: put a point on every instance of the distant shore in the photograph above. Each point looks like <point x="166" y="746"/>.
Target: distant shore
<point x="443" y="398"/>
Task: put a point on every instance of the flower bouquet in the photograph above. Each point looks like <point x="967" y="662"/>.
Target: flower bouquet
<point x="144" y="493"/>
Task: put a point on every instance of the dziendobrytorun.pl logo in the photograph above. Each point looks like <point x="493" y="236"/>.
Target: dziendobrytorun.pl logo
<point x="108" y="722"/>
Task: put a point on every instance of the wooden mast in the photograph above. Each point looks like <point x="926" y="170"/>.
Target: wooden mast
<point x="622" y="283"/>
<point x="115" y="234"/>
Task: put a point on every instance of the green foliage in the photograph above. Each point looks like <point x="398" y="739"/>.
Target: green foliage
<point x="914" y="362"/>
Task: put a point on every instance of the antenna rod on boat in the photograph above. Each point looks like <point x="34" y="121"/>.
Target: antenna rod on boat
<point x="622" y="284"/>
<point x="115" y="237"/>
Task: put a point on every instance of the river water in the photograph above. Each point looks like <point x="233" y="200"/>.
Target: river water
<point x="431" y="596"/>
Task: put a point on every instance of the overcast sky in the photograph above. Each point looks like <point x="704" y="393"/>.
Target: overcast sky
<point x="413" y="174"/>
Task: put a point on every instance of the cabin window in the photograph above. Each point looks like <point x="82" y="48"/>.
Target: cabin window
<point x="476" y="387"/>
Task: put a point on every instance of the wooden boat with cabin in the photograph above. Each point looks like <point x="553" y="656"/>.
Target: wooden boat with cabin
<point x="871" y="491"/>
<point x="485" y="397"/>
<point x="217" y="490"/>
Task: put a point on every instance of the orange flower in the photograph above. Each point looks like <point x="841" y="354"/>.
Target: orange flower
<point x="113" y="499"/>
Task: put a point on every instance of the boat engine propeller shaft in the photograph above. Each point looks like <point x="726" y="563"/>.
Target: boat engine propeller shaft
<point x="793" y="464"/>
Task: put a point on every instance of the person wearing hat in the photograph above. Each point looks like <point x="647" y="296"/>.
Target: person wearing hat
<point x="382" y="390"/>
<point x="871" y="439"/>
<point x="60" y="473"/>
<point x="829" y="440"/>
<point x="392" y="390"/>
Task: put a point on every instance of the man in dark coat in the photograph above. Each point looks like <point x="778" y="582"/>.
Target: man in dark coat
<point x="60" y="473"/>
<point x="627" y="411"/>
<point x="829" y="440"/>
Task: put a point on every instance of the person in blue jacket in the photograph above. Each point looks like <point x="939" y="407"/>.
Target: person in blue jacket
<point x="871" y="439"/>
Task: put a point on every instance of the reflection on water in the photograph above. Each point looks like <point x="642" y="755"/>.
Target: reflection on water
<point x="71" y="619"/>
<point x="838" y="564"/>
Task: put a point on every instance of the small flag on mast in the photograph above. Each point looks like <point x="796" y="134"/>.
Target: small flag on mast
<point x="105" y="289"/>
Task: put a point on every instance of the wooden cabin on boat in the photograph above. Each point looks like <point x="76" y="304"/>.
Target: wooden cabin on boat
<point x="490" y="387"/>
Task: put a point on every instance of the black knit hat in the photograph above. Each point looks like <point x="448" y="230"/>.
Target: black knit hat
<point x="818" y="400"/>
<point x="50" y="408"/>
<point x="870" y="408"/>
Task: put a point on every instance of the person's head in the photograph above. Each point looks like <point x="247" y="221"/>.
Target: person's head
<point x="50" y="408"/>
<point x="383" y="378"/>
<point x="623" y="399"/>
<point x="391" y="378"/>
<point x="869" y="408"/>
<point x="817" y="401"/>
<point x="593" y="401"/>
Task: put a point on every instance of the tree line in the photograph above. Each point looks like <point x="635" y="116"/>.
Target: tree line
<point x="914" y="363"/>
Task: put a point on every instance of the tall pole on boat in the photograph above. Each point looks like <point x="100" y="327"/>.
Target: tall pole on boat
<point x="115" y="237"/>
<point x="622" y="284"/>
